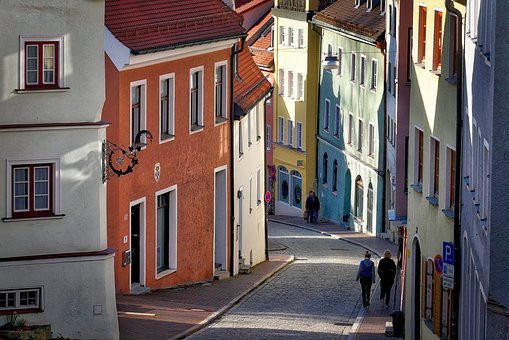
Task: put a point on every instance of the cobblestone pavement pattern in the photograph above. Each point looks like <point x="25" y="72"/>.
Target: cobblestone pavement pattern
<point x="316" y="297"/>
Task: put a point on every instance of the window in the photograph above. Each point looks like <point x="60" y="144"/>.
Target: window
<point x="335" y="176"/>
<point x="419" y="140"/>
<point x="421" y="52"/>
<point x="437" y="42"/>
<point x="291" y="37"/>
<point x="250" y="194"/>
<point x="258" y="187"/>
<point x="166" y="234"/>
<point x="350" y="128"/>
<point x="281" y="129"/>
<point x="284" y="186"/>
<point x="167" y="107"/>
<point x="41" y="62"/>
<point x="360" y="135"/>
<point x="300" y="86"/>
<point x="268" y="137"/>
<point x="290" y="85"/>
<point x="220" y="92"/>
<point x="485" y="181"/>
<point x="374" y="74"/>
<point x="241" y="140"/>
<point x="138" y="109"/>
<point x="281" y="35"/>
<point x="249" y="118"/>
<point x="371" y="140"/>
<point x="329" y="49"/>
<point x="352" y="75"/>
<point x="326" y="117"/>
<point x="32" y="190"/>
<point x="389" y="19"/>
<point x="337" y="117"/>
<point x="325" y="168"/>
<point x="363" y="71"/>
<point x="299" y="135"/>
<point x="435" y="165"/>
<point x="301" y="38"/>
<point x="394" y="81"/>
<point x="290" y="133"/>
<point x="453" y="44"/>
<point x="389" y="77"/>
<point x="257" y="122"/>
<point x="359" y="198"/>
<point x="281" y="82"/>
<point x="451" y="176"/>
<point x="394" y="21"/>
<point x="196" y="99"/>
<point x="21" y="300"/>
<point x="340" y="59"/>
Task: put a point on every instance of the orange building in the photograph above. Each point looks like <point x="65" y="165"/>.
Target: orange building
<point x="169" y="71"/>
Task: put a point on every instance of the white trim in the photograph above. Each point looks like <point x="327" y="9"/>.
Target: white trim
<point x="326" y="121"/>
<point x="297" y="134"/>
<point x="172" y="106"/>
<point x="39" y="299"/>
<point x="143" y="233"/>
<point x="173" y="232"/>
<point x="201" y="91"/>
<point x="143" y="107"/>
<point x="56" y="181"/>
<point x="279" y="139"/>
<point x="362" y="82"/>
<point x="226" y="87"/>
<point x="40" y="38"/>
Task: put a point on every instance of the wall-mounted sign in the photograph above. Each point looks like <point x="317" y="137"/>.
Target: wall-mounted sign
<point x="157" y="172"/>
<point x="268" y="196"/>
<point x="439" y="264"/>
<point x="448" y="252"/>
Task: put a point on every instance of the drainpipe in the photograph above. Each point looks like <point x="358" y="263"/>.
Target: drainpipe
<point x="384" y="144"/>
<point x="457" y="181"/>
<point x="265" y="171"/>
<point x="233" y="74"/>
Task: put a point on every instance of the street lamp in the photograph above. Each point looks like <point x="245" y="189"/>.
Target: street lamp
<point x="330" y="62"/>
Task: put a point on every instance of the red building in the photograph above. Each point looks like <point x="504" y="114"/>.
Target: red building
<point x="169" y="71"/>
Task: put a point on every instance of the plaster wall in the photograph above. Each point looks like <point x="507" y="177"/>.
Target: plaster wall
<point x="253" y="15"/>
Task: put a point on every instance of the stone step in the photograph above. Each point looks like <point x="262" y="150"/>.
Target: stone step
<point x="221" y="274"/>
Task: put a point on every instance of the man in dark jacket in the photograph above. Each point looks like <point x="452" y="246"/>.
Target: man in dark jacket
<point x="366" y="274"/>
<point x="386" y="272"/>
<point x="315" y="208"/>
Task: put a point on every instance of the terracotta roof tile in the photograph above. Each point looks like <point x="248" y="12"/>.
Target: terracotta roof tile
<point x="242" y="6"/>
<point x="250" y="86"/>
<point x="264" y="59"/>
<point x="343" y="15"/>
<point x="164" y="24"/>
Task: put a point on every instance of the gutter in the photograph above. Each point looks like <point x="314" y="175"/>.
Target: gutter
<point x="457" y="180"/>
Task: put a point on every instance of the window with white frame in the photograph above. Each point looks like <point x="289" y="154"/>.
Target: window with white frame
<point x="340" y="60"/>
<point x="352" y="74"/>
<point x="257" y="122"/>
<point x="282" y="35"/>
<point x="299" y="135"/>
<point x="167" y="107"/>
<point x="419" y="156"/>
<point x="291" y="37"/>
<point x="268" y="137"/>
<point x="196" y="99"/>
<point x="337" y="117"/>
<point x="281" y="83"/>
<point x="300" y="86"/>
<point x="250" y="194"/>
<point x="21" y="300"/>
<point x="291" y="89"/>
<point x="258" y="187"/>
<point x="434" y="167"/>
<point x="249" y="118"/>
<point x="138" y="110"/>
<point x="221" y="105"/>
<point x="166" y="233"/>
<point x="301" y="38"/>
<point x="290" y="132"/>
<point x="360" y="135"/>
<point x="485" y="181"/>
<point x="389" y="77"/>
<point x="326" y="116"/>
<point x="389" y="19"/>
<point x="41" y="62"/>
<point x="394" y="81"/>
<point x="371" y="136"/>
<point x="374" y="74"/>
<point x="363" y="71"/>
<point x="281" y="129"/>
<point x="350" y="128"/>
<point x="241" y="140"/>
<point x="451" y="176"/>
<point x="329" y="49"/>
<point x="394" y="21"/>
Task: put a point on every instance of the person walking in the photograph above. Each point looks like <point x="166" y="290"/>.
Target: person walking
<point x="309" y="207"/>
<point x="366" y="274"/>
<point x="316" y="208"/>
<point x="387" y="273"/>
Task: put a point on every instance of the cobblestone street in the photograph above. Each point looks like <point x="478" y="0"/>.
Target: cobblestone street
<point x="314" y="297"/>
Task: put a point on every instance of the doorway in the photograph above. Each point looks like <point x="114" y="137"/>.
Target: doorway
<point x="347" y="195"/>
<point x="220" y="221"/>
<point x="239" y="227"/>
<point x="137" y="229"/>
<point x="416" y="290"/>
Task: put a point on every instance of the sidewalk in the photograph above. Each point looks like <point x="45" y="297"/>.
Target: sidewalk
<point x="370" y="323"/>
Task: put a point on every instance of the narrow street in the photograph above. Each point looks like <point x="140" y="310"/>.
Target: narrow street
<point x="314" y="297"/>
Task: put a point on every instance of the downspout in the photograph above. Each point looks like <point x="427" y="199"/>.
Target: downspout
<point x="384" y="144"/>
<point x="233" y="73"/>
<point x="457" y="180"/>
<point x="265" y="171"/>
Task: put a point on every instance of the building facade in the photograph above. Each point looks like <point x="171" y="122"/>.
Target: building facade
<point x="432" y="168"/>
<point x="177" y="85"/>
<point x="56" y="267"/>
<point x="484" y="303"/>
<point x="351" y="112"/>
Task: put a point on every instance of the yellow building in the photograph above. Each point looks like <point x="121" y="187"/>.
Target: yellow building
<point x="432" y="169"/>
<point x="296" y="58"/>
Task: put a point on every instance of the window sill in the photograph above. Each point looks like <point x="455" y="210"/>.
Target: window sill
<point x="336" y="135"/>
<point x="241" y="154"/>
<point x="433" y="200"/>
<point x="325" y="185"/>
<point x="21" y="311"/>
<point x="421" y="65"/>
<point x="373" y="90"/>
<point x="436" y="72"/>
<point x="249" y="144"/>
<point x="335" y="192"/>
<point x="165" y="272"/>
<point x="417" y="187"/>
<point x="220" y="120"/>
<point x="48" y="90"/>
<point x="166" y="137"/>
<point x="21" y="219"/>
<point x="196" y="127"/>
<point x="449" y="213"/>
<point x="258" y="202"/>
<point x="326" y="130"/>
<point x="258" y="138"/>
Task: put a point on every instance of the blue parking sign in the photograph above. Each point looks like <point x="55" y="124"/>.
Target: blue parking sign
<point x="448" y="253"/>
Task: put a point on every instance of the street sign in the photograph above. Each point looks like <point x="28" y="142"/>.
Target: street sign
<point x="439" y="264"/>
<point x="268" y="196"/>
<point x="448" y="252"/>
<point x="448" y="270"/>
<point x="447" y="282"/>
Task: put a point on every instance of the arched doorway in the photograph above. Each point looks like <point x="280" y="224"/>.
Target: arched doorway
<point x="284" y="185"/>
<point x="296" y="184"/>
<point x="347" y="196"/>
<point x="369" y="224"/>
<point x="416" y="290"/>
<point x="359" y="198"/>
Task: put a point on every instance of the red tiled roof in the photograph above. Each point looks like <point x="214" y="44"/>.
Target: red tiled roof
<point x="250" y="86"/>
<point x="164" y="24"/>
<point x="262" y="43"/>
<point x="263" y="58"/>
<point x="342" y="14"/>
<point x="242" y="6"/>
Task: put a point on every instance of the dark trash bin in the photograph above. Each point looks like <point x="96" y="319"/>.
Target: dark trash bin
<point x="398" y="323"/>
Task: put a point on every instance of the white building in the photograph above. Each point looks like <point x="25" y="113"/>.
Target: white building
<point x="251" y="89"/>
<point x="54" y="262"/>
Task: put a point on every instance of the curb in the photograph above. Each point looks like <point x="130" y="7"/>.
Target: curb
<point x="216" y="315"/>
